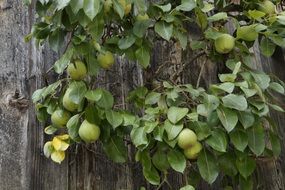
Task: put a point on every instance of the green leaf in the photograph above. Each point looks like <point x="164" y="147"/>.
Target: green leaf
<point x="239" y="139"/>
<point x="140" y="27"/>
<point x="197" y="45"/>
<point x="141" y="5"/>
<point x="118" y="8"/>
<point x="267" y="47"/>
<point x="91" y="8"/>
<point x="152" y="98"/>
<point x="64" y="60"/>
<point x="227" y="77"/>
<point x="262" y="80"/>
<point x="126" y="42"/>
<point x="255" y="14"/>
<point x="202" y="130"/>
<point x="227" y="87"/>
<point x="164" y="8"/>
<point x="275" y="144"/>
<point x="143" y="56"/>
<point x="160" y="161"/>
<point x="246" y="184"/>
<point x="77" y="91"/>
<point x="228" y="118"/>
<point x="164" y="29"/>
<point x="96" y="29"/>
<point x="187" y="187"/>
<point x="277" y="87"/>
<point x="151" y="175"/>
<point x="207" y="166"/>
<point x="93" y="95"/>
<point x="73" y="127"/>
<point x="256" y="139"/>
<point x="107" y="100"/>
<point x="246" y="166"/>
<point x="138" y="136"/>
<point x="115" y="149"/>
<point x="150" y="126"/>
<point x="237" y="102"/>
<point x="176" y="160"/>
<point x="56" y="39"/>
<point x="93" y="115"/>
<point x="60" y="4"/>
<point x="76" y="5"/>
<point x="227" y="164"/>
<point x="186" y="5"/>
<point x="114" y="118"/>
<point x="246" y="118"/>
<point x="218" y="16"/>
<point x="175" y="114"/>
<point x="201" y="20"/>
<point x="247" y="33"/>
<point x="218" y="141"/>
<point x="278" y="40"/>
<point x="172" y="130"/>
<point x="211" y="103"/>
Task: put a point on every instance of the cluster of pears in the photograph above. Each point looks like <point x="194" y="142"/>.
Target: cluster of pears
<point x="226" y="42"/>
<point x="88" y="132"/>
<point x="187" y="140"/>
<point x="124" y="3"/>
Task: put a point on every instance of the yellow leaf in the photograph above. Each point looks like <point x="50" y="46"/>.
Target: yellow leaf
<point x="56" y="143"/>
<point x="63" y="137"/>
<point x="48" y="149"/>
<point x="58" y="156"/>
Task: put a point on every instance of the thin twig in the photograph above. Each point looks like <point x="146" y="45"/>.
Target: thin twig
<point x="201" y="71"/>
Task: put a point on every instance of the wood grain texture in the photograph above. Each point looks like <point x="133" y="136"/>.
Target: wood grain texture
<point x="22" y="164"/>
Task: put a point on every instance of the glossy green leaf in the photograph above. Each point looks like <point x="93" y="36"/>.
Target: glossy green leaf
<point x="164" y="29"/>
<point x="228" y="118"/>
<point x="267" y="47"/>
<point x="246" y="166"/>
<point x="207" y="166"/>
<point x="73" y="127"/>
<point x="143" y="56"/>
<point x="218" y="141"/>
<point x="186" y="5"/>
<point x="239" y="139"/>
<point x="138" y="136"/>
<point x="64" y="60"/>
<point x="114" y="118"/>
<point x="256" y="139"/>
<point x="115" y="149"/>
<point x="175" y="114"/>
<point x="233" y="101"/>
<point x="91" y="8"/>
<point x="176" y="160"/>
<point x="160" y="161"/>
<point x="172" y="130"/>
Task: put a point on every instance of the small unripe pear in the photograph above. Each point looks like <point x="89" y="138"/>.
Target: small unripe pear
<point x="186" y="138"/>
<point x="193" y="152"/>
<point x="77" y="70"/>
<point x="89" y="132"/>
<point x="224" y="43"/>
<point x="60" y="117"/>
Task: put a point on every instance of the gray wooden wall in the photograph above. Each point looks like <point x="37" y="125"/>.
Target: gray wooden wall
<point x="22" y="163"/>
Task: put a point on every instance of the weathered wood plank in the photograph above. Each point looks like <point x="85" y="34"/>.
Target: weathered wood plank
<point x="22" y="164"/>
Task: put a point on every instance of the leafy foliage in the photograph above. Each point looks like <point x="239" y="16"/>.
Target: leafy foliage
<point x="230" y="118"/>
